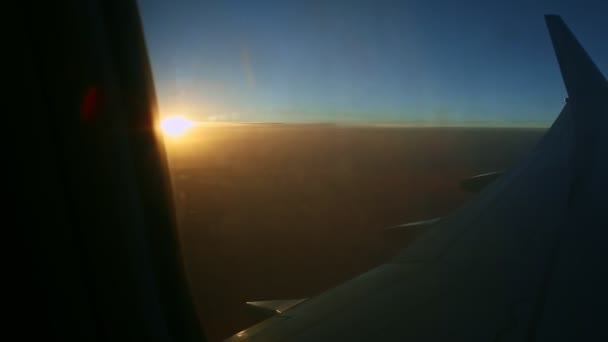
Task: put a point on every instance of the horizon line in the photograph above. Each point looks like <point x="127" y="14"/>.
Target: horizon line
<point x="470" y="124"/>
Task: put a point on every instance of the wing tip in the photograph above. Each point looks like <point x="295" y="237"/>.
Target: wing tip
<point x="580" y="74"/>
<point x="554" y="20"/>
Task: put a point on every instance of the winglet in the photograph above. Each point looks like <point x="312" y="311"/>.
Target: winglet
<point x="581" y="76"/>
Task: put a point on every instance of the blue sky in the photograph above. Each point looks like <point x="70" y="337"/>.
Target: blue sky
<point x="419" y="61"/>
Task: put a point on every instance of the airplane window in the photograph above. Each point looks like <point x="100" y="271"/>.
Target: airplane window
<point x="311" y="141"/>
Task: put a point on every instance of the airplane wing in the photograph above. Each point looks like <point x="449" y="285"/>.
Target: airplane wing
<point x="523" y="261"/>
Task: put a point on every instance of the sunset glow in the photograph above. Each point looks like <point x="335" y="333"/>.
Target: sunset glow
<point x="175" y="125"/>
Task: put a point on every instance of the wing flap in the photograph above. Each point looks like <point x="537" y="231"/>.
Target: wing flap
<point x="276" y="307"/>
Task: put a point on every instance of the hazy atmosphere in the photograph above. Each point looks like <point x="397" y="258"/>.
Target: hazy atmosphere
<point x="276" y="211"/>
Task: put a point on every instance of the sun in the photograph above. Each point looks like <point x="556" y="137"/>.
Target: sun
<point x="175" y="125"/>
